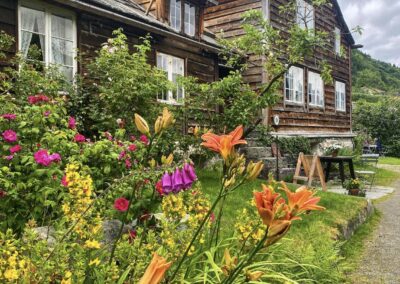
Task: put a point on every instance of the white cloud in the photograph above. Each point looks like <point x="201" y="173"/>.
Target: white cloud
<point x="380" y="20"/>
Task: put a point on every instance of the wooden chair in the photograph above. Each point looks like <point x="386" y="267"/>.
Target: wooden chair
<point x="369" y="160"/>
<point x="312" y="168"/>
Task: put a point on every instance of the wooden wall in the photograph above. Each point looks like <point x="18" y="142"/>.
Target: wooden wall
<point x="293" y="118"/>
<point x="8" y="24"/>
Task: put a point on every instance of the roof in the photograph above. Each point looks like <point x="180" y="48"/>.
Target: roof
<point x="130" y="12"/>
<point x="340" y="16"/>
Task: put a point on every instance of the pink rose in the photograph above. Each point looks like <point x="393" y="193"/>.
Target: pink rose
<point x="79" y="138"/>
<point x="71" y="123"/>
<point x="9" y="158"/>
<point x="9" y="116"/>
<point x="43" y="158"/>
<point x="15" y="149"/>
<point x="37" y="99"/>
<point x="121" y="155"/>
<point x="121" y="204"/>
<point x="144" y="139"/>
<point x="132" y="148"/>
<point x="10" y="136"/>
<point x="47" y="113"/>
<point x="128" y="164"/>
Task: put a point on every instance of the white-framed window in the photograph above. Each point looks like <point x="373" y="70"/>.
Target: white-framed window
<point x="175" y="14"/>
<point x="294" y="85"/>
<point x="305" y="15"/>
<point x="174" y="67"/>
<point x="340" y="96"/>
<point x="190" y="19"/>
<point x="48" y="33"/>
<point x="315" y="89"/>
<point x="337" y="41"/>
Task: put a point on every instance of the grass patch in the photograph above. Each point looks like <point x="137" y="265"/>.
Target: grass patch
<point x="353" y="249"/>
<point x="310" y="252"/>
<point x="389" y="161"/>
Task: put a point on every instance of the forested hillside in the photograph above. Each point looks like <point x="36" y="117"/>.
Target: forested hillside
<point x="374" y="76"/>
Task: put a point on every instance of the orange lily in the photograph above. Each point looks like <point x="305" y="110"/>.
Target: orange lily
<point x="155" y="271"/>
<point x="223" y="144"/>
<point x="268" y="203"/>
<point x="302" y="200"/>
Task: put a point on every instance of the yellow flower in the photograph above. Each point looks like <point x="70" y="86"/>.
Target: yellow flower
<point x="11" y="274"/>
<point x="158" y="126"/>
<point x="167" y="160"/>
<point x="254" y="170"/>
<point x="167" y="118"/>
<point x="92" y="244"/>
<point x="95" y="262"/>
<point x="141" y="124"/>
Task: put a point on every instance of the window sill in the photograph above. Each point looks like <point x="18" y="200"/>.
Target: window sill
<point x="170" y="103"/>
<point x="341" y="111"/>
<point x="316" y="106"/>
<point x="294" y="103"/>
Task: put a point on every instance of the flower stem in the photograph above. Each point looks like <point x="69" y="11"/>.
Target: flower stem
<point x="203" y="222"/>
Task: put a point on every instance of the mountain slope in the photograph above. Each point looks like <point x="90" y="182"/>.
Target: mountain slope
<point x="374" y="75"/>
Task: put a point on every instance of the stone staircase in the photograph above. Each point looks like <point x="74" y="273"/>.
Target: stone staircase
<point x="255" y="151"/>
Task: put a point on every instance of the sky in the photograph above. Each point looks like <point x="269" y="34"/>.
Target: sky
<point x="380" y="20"/>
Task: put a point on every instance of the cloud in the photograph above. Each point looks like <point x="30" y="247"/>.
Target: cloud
<point x="380" y="20"/>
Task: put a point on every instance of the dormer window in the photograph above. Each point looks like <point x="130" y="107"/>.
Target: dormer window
<point x="182" y="17"/>
<point x="305" y="15"/>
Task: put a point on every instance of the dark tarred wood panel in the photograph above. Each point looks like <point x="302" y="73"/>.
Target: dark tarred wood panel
<point x="8" y="24"/>
<point x="227" y="15"/>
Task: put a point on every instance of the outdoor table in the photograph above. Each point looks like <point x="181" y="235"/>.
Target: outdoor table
<point x="329" y="160"/>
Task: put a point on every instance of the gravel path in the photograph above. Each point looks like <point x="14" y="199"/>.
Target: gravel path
<point x="381" y="260"/>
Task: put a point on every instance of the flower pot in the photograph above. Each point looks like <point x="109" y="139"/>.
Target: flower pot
<point x="354" y="191"/>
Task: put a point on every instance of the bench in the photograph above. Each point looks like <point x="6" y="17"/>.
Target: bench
<point x="372" y="160"/>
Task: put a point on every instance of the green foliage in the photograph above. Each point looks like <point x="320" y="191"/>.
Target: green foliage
<point x="372" y="74"/>
<point x="124" y="83"/>
<point x="380" y="120"/>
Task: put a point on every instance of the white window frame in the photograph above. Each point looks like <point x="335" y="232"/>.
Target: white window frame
<point x="293" y="81"/>
<point x="305" y="15"/>
<point x="338" y="41"/>
<point x="170" y="95"/>
<point x="176" y="9"/>
<point x="49" y="10"/>
<point x="315" y="83"/>
<point x="189" y="29"/>
<point x="340" y="96"/>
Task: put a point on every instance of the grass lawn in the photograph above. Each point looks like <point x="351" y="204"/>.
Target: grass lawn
<point x="389" y="161"/>
<point x="310" y="244"/>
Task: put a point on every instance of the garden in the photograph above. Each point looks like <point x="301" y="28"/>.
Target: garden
<point x="98" y="184"/>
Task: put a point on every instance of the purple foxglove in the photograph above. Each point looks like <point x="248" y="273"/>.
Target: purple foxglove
<point x="177" y="180"/>
<point x="190" y="171"/>
<point x="166" y="183"/>
<point x="187" y="181"/>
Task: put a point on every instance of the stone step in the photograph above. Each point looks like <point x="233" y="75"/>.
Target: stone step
<point x="254" y="142"/>
<point x="257" y="152"/>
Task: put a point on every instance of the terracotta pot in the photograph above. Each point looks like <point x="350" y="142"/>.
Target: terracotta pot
<point x="354" y="191"/>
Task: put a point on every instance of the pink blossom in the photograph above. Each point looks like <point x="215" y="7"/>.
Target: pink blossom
<point x="47" y="113"/>
<point x="79" y="138"/>
<point x="37" y="99"/>
<point x="128" y="164"/>
<point x="108" y="135"/>
<point x="121" y="204"/>
<point x="132" y="148"/>
<point x="10" y="136"/>
<point x="9" y="157"/>
<point x="144" y="139"/>
<point x="133" y="138"/>
<point x="71" y="123"/>
<point x="64" y="181"/>
<point x="43" y="158"/>
<point x="15" y="149"/>
<point x="9" y="116"/>
<point x="2" y="193"/>
<point x="121" y="155"/>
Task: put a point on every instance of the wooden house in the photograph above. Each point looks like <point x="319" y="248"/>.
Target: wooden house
<point x="180" y="45"/>
<point x="308" y="106"/>
<point x="183" y="33"/>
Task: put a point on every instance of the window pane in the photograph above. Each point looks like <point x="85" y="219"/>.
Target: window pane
<point x="68" y="72"/>
<point x="62" y="52"/>
<point x="33" y="46"/>
<point x="33" y="20"/>
<point x="190" y="19"/>
<point x="61" y="27"/>
<point x="175" y="14"/>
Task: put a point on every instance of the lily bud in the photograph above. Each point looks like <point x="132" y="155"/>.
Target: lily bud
<point x="167" y="118"/>
<point x="141" y="124"/>
<point x="254" y="170"/>
<point x="167" y="160"/>
<point x="158" y="125"/>
<point x="196" y="131"/>
<point x="152" y="163"/>
<point x="254" y="276"/>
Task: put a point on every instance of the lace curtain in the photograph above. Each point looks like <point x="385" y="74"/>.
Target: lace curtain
<point x="33" y="29"/>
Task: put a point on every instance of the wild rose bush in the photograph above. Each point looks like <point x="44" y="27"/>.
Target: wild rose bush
<point x="147" y="224"/>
